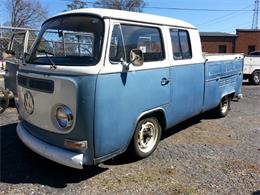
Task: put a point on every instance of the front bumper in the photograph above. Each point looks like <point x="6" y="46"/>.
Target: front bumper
<point x="59" y="155"/>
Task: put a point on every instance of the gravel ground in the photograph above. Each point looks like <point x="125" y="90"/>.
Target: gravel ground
<point x="203" y="155"/>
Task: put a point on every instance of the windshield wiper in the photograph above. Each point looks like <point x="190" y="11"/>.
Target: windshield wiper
<point x="53" y="65"/>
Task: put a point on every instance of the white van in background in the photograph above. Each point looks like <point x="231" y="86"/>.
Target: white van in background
<point x="252" y="67"/>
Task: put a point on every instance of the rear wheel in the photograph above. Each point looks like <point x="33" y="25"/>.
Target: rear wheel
<point x="4" y="100"/>
<point x="223" y="107"/>
<point x="255" y="78"/>
<point x="146" y="137"/>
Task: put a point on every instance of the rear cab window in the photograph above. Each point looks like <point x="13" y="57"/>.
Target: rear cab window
<point x="181" y="45"/>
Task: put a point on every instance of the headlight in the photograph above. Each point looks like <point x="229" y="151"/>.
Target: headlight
<point x="64" y="117"/>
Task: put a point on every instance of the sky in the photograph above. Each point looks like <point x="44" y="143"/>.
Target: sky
<point x="206" y="21"/>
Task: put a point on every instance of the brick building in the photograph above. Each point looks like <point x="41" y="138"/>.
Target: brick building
<point x="247" y="40"/>
<point x="217" y="42"/>
<point x="244" y="41"/>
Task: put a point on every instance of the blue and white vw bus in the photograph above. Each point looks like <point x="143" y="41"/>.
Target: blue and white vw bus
<point x="98" y="82"/>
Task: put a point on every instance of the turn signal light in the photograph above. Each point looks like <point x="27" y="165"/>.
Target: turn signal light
<point x="77" y="145"/>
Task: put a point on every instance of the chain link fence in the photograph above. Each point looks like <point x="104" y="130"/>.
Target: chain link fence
<point x="69" y="43"/>
<point x="6" y="34"/>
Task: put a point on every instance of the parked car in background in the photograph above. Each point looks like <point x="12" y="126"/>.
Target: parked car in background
<point x="2" y="66"/>
<point x="252" y="67"/>
<point x="10" y="61"/>
<point x="3" y="95"/>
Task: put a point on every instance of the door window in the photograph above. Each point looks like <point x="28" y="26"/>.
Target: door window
<point x="128" y="37"/>
<point x="117" y="48"/>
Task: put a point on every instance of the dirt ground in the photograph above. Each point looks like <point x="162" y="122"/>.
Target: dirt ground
<point x="203" y="155"/>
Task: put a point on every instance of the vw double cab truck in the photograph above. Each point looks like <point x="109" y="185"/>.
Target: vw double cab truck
<point x="99" y="82"/>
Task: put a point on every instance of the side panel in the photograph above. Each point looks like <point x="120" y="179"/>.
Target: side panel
<point x="222" y="78"/>
<point x="120" y="99"/>
<point x="187" y="89"/>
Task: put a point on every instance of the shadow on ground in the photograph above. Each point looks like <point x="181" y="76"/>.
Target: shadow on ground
<point x="18" y="164"/>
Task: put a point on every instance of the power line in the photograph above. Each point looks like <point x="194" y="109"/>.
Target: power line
<point x="199" y="9"/>
<point x="223" y="17"/>
<point x="241" y="25"/>
<point x="188" y="9"/>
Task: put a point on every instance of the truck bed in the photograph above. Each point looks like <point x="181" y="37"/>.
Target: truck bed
<point x="223" y="76"/>
<point x="212" y="57"/>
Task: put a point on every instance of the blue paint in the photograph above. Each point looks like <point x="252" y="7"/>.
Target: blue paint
<point x="221" y="78"/>
<point x="119" y="102"/>
<point x="187" y="88"/>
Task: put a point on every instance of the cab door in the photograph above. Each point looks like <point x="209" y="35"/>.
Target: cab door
<point x="187" y="73"/>
<point x="122" y="94"/>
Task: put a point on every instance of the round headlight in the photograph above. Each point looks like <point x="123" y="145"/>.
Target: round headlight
<point x="64" y="117"/>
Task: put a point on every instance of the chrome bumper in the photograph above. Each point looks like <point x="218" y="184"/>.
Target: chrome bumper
<point x="59" y="155"/>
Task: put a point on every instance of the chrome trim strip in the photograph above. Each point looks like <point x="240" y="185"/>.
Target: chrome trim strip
<point x="64" y="157"/>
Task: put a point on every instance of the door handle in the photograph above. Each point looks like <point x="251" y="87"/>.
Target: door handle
<point x="164" y="81"/>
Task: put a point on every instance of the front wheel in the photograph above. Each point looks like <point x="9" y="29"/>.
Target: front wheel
<point x="223" y="107"/>
<point x="255" y="78"/>
<point x="146" y="137"/>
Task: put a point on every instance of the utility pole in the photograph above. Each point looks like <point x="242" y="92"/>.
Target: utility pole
<point x="255" y="15"/>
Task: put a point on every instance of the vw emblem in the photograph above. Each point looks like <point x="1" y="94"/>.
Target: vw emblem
<point x="28" y="102"/>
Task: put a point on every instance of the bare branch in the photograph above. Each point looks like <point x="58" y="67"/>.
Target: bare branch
<point x="76" y="4"/>
<point x="129" y="5"/>
<point x="26" y="13"/>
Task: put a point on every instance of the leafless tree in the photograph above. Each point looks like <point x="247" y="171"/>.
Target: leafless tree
<point x="129" y="5"/>
<point x="76" y="4"/>
<point x="26" y="13"/>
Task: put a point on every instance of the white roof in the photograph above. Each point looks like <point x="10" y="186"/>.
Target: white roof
<point x="130" y="16"/>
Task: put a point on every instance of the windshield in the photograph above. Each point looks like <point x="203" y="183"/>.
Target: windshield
<point x="69" y="41"/>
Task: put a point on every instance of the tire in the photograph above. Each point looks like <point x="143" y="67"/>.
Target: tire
<point x="224" y="106"/>
<point x="146" y="138"/>
<point x="4" y="100"/>
<point x="255" y="78"/>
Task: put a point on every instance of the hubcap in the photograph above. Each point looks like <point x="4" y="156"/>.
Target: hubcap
<point x="224" y="106"/>
<point x="147" y="137"/>
<point x="257" y="77"/>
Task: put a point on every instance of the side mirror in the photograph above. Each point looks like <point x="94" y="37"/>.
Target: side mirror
<point x="136" y="57"/>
